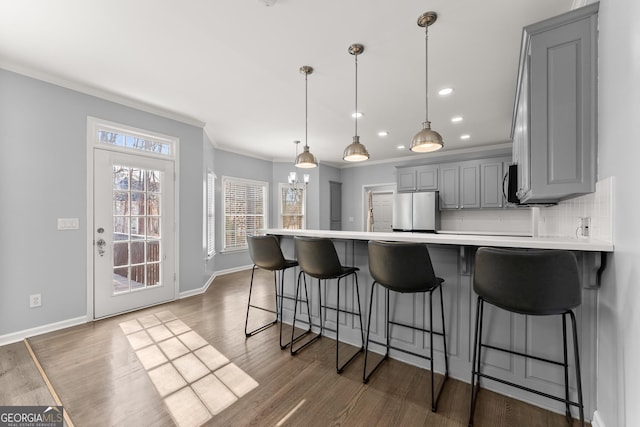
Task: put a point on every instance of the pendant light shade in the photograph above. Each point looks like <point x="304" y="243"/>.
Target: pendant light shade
<point x="427" y="139"/>
<point x="356" y="152"/>
<point x="305" y="159"/>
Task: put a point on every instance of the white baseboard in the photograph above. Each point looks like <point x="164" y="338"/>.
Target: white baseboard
<point x="198" y="291"/>
<point x="233" y="270"/>
<point x="596" y="421"/>
<point x="20" y="335"/>
<point x="204" y="288"/>
<point x="39" y="330"/>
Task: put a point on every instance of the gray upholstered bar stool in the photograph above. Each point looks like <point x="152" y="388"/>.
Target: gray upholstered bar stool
<point x="534" y="283"/>
<point x="318" y="259"/>
<point x="265" y="253"/>
<point x="405" y="268"/>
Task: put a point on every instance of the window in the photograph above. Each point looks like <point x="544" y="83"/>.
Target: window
<point x="292" y="202"/>
<point x="211" y="214"/>
<point x="245" y="210"/>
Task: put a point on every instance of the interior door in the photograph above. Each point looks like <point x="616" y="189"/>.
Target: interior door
<point x="133" y="227"/>
<point x="382" y="204"/>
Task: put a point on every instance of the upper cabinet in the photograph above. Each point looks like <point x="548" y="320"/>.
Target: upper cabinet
<point x="469" y="184"/>
<point x="554" y="129"/>
<point x="417" y="178"/>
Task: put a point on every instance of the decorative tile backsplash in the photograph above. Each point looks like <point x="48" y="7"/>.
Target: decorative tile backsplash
<point x="512" y="221"/>
<point x="563" y="220"/>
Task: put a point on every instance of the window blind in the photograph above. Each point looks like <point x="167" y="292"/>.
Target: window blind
<point x="245" y="210"/>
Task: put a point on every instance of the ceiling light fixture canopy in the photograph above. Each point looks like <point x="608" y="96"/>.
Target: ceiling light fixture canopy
<point x="426" y="140"/>
<point x="305" y="159"/>
<point x="356" y="152"/>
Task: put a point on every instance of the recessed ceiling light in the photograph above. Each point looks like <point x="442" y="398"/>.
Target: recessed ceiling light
<point x="445" y="91"/>
<point x="383" y="133"/>
<point x="456" y="119"/>
<point x="465" y="136"/>
<point x="357" y="114"/>
<point x="400" y="147"/>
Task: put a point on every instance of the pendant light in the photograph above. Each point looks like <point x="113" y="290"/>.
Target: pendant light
<point x="293" y="179"/>
<point x="426" y="140"/>
<point x="356" y="152"/>
<point x="306" y="159"/>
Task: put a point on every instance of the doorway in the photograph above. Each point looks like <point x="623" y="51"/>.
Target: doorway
<point x="379" y="217"/>
<point x="133" y="229"/>
<point x="131" y="219"/>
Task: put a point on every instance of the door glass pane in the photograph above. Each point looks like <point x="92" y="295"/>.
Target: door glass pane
<point x="136" y="228"/>
<point x="137" y="252"/>
<point x="137" y="203"/>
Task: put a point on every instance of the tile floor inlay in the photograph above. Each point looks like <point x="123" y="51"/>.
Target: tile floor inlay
<point x="195" y="380"/>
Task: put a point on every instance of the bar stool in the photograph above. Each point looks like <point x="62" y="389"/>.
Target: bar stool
<point x="534" y="283"/>
<point x="405" y="268"/>
<point x="318" y="259"/>
<point x="265" y="253"/>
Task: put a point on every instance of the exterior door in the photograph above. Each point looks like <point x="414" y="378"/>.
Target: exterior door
<point x="133" y="229"/>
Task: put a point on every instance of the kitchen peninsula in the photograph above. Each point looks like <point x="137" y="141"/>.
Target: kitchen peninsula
<point x="452" y="256"/>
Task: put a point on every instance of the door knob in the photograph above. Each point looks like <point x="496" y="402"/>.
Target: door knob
<point x="101" y="243"/>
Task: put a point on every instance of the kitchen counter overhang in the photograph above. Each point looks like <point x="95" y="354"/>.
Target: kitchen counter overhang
<point x="588" y="245"/>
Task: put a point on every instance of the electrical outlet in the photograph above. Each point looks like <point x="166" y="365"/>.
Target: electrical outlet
<point x="35" y="300"/>
<point x="585" y="226"/>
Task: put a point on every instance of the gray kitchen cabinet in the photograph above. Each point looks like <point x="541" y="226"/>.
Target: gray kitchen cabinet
<point x="554" y="130"/>
<point x="460" y="185"/>
<point x="470" y="185"/>
<point x="449" y="189"/>
<point x="491" y="180"/>
<point x="417" y="178"/>
<point x="427" y="177"/>
<point x="406" y="179"/>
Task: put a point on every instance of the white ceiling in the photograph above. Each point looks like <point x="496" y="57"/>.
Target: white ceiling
<point x="234" y="65"/>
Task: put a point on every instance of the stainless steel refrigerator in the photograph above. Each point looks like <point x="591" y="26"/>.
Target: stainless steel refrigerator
<point x="416" y="211"/>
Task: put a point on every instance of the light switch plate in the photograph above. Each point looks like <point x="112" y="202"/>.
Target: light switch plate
<point x="68" y="223"/>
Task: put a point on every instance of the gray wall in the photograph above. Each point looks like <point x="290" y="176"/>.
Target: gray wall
<point x="236" y="166"/>
<point x="43" y="176"/>
<point x="326" y="173"/>
<point x="354" y="179"/>
<point x="619" y="298"/>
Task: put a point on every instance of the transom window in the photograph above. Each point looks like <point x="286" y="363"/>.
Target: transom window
<point x="245" y="210"/>
<point x="129" y="139"/>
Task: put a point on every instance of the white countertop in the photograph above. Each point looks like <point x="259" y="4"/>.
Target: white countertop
<point x="457" y="239"/>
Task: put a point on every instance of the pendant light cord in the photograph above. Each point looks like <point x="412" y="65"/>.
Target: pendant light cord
<point x="306" y="110"/>
<point x="356" y="116"/>
<point x="426" y="73"/>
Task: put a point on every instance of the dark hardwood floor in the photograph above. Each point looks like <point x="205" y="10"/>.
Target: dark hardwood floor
<point x="101" y="382"/>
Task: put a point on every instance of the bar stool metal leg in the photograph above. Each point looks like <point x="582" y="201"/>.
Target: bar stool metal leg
<point x="365" y="377"/>
<point x="295" y="310"/>
<point x="475" y="362"/>
<point x="576" y="352"/>
<point x="249" y="306"/>
<point x="339" y="368"/>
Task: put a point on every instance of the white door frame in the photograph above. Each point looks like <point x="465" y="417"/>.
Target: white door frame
<point x="376" y="188"/>
<point x="93" y="124"/>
